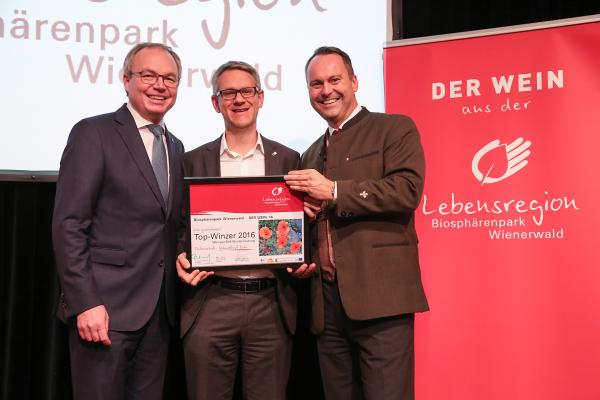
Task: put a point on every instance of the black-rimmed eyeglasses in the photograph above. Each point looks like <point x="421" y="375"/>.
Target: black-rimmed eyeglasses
<point x="230" y="94"/>
<point x="150" y="78"/>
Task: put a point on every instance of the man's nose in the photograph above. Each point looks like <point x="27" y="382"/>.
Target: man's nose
<point x="239" y="98"/>
<point x="327" y="88"/>
<point x="160" y="82"/>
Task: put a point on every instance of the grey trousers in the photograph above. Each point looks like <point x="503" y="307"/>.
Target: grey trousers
<point x="235" y="328"/>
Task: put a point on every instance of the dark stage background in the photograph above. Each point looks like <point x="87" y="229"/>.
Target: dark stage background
<point x="33" y="345"/>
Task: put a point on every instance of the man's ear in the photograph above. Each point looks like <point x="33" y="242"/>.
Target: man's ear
<point x="215" y="103"/>
<point x="261" y="98"/>
<point x="126" y="79"/>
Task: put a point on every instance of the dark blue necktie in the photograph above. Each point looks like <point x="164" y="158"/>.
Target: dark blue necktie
<point x="159" y="160"/>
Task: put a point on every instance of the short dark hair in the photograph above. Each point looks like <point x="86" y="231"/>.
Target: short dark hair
<point x="229" y="65"/>
<point x="324" y="50"/>
<point x="148" y="45"/>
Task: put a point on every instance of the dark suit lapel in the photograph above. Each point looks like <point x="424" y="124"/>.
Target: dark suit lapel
<point x="212" y="159"/>
<point x="272" y="157"/>
<point x="132" y="139"/>
<point x="174" y="168"/>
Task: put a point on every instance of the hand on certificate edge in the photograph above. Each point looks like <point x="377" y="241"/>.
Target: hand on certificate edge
<point x="191" y="278"/>
<point x="92" y="325"/>
<point x="312" y="182"/>
<point x="312" y="207"/>
<point x="302" y="272"/>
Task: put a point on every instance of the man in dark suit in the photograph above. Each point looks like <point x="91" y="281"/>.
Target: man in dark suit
<point x="114" y="229"/>
<point x="242" y="317"/>
<point x="363" y="179"/>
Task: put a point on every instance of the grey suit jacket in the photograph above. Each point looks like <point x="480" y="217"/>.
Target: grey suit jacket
<point x="204" y="161"/>
<point x="377" y="161"/>
<point x="114" y="237"/>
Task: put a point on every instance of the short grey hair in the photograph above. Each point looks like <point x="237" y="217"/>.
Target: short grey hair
<point x="229" y="65"/>
<point x="148" y="45"/>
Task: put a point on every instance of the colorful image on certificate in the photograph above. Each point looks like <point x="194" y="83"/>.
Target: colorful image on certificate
<point x="277" y="237"/>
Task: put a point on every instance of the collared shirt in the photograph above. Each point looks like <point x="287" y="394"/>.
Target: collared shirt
<point x="356" y="111"/>
<point x="249" y="164"/>
<point x="147" y="136"/>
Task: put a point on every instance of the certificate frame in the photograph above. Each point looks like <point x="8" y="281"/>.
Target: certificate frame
<point x="244" y="223"/>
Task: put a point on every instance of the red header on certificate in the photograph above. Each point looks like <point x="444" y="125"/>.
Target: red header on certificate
<point x="243" y="197"/>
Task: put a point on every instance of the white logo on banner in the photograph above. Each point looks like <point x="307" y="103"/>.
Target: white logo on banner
<point x="277" y="190"/>
<point x="503" y="160"/>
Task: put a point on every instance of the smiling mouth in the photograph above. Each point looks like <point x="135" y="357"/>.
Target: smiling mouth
<point x="329" y="101"/>
<point x="161" y="98"/>
<point x="239" y="110"/>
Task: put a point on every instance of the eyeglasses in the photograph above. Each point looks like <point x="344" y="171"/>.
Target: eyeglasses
<point x="230" y="94"/>
<point x="150" y="78"/>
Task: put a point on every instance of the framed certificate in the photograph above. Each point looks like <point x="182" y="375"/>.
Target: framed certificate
<point x="245" y="222"/>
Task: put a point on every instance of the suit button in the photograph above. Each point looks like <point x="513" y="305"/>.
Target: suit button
<point x="161" y="264"/>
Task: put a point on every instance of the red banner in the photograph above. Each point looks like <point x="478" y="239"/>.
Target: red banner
<point x="508" y="224"/>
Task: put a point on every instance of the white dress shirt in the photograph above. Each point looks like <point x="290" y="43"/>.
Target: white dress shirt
<point x="147" y="136"/>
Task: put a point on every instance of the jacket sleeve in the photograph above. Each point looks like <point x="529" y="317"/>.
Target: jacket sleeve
<point x="79" y="182"/>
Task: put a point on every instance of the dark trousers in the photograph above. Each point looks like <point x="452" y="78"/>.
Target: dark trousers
<point x="372" y="359"/>
<point x="132" y="368"/>
<point x="237" y="328"/>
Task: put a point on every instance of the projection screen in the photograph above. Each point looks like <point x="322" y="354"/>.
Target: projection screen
<point x="61" y="61"/>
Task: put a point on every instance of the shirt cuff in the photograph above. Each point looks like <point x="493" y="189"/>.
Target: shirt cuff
<point x="334" y="192"/>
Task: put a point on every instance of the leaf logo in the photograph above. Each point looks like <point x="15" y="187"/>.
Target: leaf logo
<point x="495" y="162"/>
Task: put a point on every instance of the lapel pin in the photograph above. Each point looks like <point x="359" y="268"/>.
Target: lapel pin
<point x="274" y="153"/>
